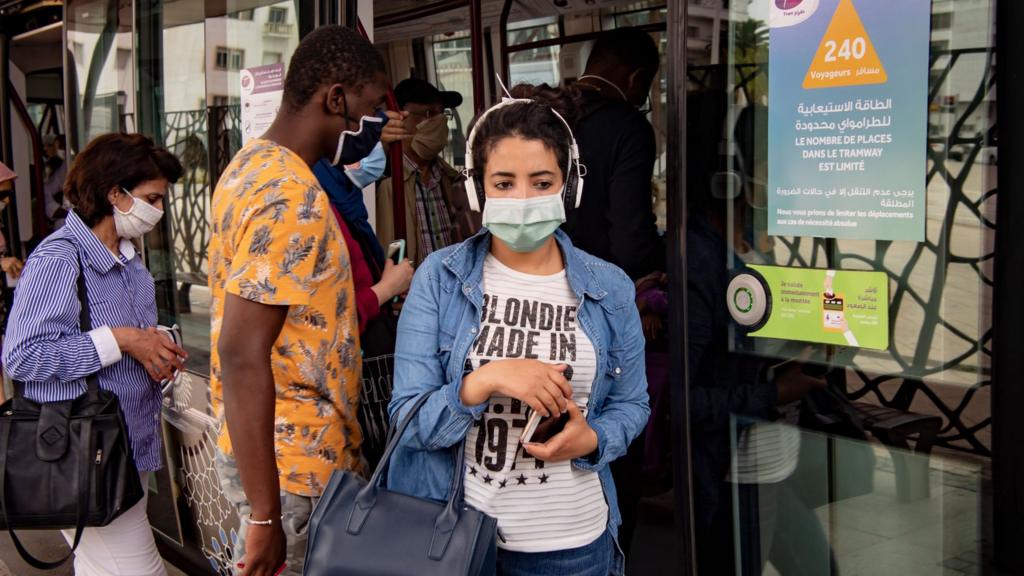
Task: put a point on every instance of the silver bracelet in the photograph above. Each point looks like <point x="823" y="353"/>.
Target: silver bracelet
<point x="248" y="520"/>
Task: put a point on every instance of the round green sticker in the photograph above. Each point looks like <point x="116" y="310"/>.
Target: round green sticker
<point x="743" y="299"/>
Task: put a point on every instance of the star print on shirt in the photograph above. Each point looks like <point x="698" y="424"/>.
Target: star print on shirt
<point x="472" y="471"/>
<point x="520" y="480"/>
<point x="488" y="479"/>
<point x="503" y="483"/>
<point x="544" y="478"/>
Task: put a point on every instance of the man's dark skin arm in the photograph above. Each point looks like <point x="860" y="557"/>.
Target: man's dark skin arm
<point x="248" y="333"/>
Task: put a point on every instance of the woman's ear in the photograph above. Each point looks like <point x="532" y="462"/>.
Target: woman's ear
<point x="114" y="195"/>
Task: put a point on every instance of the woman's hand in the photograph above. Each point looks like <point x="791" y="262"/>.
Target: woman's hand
<point x="155" y="351"/>
<point x="542" y="386"/>
<point x="12" y="266"/>
<point x="576" y="440"/>
<point x="792" y="383"/>
<point x="394" y="280"/>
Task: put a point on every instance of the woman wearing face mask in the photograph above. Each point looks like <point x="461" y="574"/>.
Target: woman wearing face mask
<point x="377" y="281"/>
<point x="513" y="321"/>
<point x="117" y="186"/>
<point x="436" y="213"/>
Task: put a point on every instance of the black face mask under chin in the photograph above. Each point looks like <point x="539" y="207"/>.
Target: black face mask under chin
<point x="354" y="146"/>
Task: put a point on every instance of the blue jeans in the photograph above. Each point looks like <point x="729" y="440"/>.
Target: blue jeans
<point x="599" y="558"/>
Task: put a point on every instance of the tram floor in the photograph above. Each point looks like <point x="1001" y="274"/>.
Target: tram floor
<point x="45" y="545"/>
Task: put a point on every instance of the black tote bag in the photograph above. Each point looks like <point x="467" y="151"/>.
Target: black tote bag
<point x="65" y="464"/>
<point x="378" y="343"/>
<point x="359" y="528"/>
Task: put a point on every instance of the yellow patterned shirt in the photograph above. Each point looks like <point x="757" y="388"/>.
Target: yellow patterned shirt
<point x="276" y="241"/>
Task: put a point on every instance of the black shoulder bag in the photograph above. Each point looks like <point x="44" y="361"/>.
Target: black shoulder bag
<point x="65" y="464"/>
<point x="363" y="529"/>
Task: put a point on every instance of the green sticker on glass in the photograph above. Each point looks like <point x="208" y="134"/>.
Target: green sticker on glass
<point x="844" y="307"/>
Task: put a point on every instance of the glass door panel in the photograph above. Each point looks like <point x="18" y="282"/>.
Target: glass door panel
<point x="855" y="457"/>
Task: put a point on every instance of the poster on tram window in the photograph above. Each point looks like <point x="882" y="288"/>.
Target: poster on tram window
<point x="843" y="307"/>
<point x="262" y="89"/>
<point x="847" y="118"/>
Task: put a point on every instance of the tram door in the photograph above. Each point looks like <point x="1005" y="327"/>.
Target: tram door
<point x="838" y="227"/>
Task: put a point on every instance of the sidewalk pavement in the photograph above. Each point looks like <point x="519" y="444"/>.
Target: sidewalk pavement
<point x="45" y="545"/>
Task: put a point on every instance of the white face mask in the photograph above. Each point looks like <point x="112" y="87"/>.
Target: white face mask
<point x="138" y="220"/>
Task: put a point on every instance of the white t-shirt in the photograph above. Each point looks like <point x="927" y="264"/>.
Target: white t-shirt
<point x="540" y="506"/>
<point x="766" y="453"/>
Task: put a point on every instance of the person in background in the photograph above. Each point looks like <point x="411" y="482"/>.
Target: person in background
<point x="285" y="362"/>
<point x="53" y="185"/>
<point x="559" y="335"/>
<point x="10" y="265"/>
<point x="377" y="279"/>
<point x="616" y="220"/>
<point x="436" y="212"/>
<point x="117" y="186"/>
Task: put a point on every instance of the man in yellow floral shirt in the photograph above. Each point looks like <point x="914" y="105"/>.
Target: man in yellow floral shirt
<point x="285" y="366"/>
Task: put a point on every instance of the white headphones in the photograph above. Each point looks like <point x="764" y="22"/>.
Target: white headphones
<point x="572" y="193"/>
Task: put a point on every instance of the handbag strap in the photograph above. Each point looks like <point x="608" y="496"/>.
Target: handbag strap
<point x="85" y="320"/>
<point x="444" y="524"/>
<point x="81" y="485"/>
<point x="84" y="324"/>
<point x="393" y="439"/>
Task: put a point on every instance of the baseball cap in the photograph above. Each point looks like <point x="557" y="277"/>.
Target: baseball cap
<point x="423" y="92"/>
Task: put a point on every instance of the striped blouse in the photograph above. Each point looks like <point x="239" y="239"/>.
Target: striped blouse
<point x="44" y="345"/>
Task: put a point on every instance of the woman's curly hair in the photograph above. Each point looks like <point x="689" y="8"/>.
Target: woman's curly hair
<point x="530" y="121"/>
<point x="113" y="161"/>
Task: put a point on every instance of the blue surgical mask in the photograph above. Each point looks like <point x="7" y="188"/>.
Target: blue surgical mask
<point x="369" y="169"/>
<point x="524" y="224"/>
<point x="354" y="146"/>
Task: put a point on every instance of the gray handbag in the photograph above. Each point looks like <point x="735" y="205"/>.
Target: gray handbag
<point x="360" y="528"/>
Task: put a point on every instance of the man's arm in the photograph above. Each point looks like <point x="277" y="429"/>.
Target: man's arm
<point x="248" y="332"/>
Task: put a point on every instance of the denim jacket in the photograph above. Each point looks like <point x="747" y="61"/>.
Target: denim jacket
<point x="439" y="323"/>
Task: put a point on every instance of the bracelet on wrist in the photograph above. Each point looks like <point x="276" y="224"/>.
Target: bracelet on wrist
<point x="269" y="522"/>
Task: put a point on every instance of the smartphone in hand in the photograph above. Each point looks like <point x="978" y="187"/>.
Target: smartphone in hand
<point x="539" y="429"/>
<point x="396" y="251"/>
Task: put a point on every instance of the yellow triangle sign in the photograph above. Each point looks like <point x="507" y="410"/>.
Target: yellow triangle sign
<point x="846" y="56"/>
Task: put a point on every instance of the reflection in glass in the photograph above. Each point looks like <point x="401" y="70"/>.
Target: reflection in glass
<point x="453" y="67"/>
<point x="199" y="120"/>
<point x="536" y="65"/>
<point x="100" y="71"/>
<point x="891" y="447"/>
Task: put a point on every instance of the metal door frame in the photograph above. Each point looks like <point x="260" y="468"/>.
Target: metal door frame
<point x="679" y="385"/>
<point x="1008" y="307"/>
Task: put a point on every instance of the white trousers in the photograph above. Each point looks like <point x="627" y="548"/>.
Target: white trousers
<point x="125" y="547"/>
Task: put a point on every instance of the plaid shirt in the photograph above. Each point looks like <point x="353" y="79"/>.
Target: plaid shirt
<point x="433" y="216"/>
